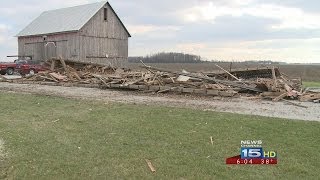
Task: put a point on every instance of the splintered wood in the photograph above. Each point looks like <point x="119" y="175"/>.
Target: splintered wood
<point x="269" y="83"/>
<point x="152" y="169"/>
<point x="57" y="76"/>
<point x="3" y="78"/>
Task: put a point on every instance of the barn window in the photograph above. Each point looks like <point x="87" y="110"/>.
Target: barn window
<point x="105" y="14"/>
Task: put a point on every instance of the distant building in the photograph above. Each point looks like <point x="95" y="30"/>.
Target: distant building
<point x="89" y="33"/>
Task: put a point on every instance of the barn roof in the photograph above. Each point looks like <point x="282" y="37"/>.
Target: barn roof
<point x="64" y="20"/>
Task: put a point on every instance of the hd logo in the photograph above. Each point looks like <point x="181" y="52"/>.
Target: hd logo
<point x="253" y="149"/>
<point x="251" y="152"/>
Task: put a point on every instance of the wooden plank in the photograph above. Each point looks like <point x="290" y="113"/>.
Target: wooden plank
<point x="3" y="78"/>
<point x="187" y="90"/>
<point x="63" y="64"/>
<point x="143" y="87"/>
<point x="274" y="77"/>
<point x="151" y="167"/>
<point x="53" y="65"/>
<point x="228" y="93"/>
<point x="46" y="78"/>
<point x="212" y="92"/>
<point x="115" y="85"/>
<point x="57" y="76"/>
<point x="53" y="78"/>
<point x="200" y="91"/>
<point x="309" y="97"/>
<point x="165" y="90"/>
<point x="133" y="86"/>
<point x="211" y="140"/>
<point x="228" y="72"/>
<point x="77" y="76"/>
<point x="271" y="94"/>
<point x="154" y="88"/>
<point x="278" y="98"/>
<point x="183" y="78"/>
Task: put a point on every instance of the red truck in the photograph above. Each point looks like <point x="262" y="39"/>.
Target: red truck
<point x="7" y="68"/>
<point x="30" y="66"/>
<point x="10" y="67"/>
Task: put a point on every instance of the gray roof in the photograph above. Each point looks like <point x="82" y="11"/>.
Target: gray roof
<point x="63" y="20"/>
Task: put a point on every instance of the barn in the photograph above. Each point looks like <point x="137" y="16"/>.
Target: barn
<point x="88" y="33"/>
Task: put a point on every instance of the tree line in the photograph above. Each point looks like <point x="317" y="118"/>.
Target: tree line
<point x="174" y="57"/>
<point x="164" y="57"/>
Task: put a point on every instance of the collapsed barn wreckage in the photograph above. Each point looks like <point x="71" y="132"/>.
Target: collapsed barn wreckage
<point x="266" y="83"/>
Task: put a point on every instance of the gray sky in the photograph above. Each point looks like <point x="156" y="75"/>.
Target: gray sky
<point x="286" y="30"/>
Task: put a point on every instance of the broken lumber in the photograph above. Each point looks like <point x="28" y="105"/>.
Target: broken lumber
<point x="75" y="74"/>
<point x="274" y="77"/>
<point x="53" y="65"/>
<point x="309" y="97"/>
<point x="57" y="76"/>
<point x="100" y="78"/>
<point x="228" y="83"/>
<point x="266" y="82"/>
<point x="3" y="78"/>
<point x="316" y="101"/>
<point x="63" y="64"/>
<point x="228" y="72"/>
<point x="152" y="169"/>
<point x="279" y="97"/>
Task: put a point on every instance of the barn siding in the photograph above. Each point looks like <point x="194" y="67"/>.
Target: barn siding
<point x="100" y="38"/>
<point x="99" y="41"/>
<point x="67" y="46"/>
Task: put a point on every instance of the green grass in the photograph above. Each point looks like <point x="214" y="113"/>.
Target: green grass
<point x="311" y="84"/>
<point x="56" y="138"/>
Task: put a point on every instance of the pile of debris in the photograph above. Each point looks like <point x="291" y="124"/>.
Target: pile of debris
<point x="268" y="83"/>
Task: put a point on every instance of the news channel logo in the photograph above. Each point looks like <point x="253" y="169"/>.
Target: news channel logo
<point x="252" y="152"/>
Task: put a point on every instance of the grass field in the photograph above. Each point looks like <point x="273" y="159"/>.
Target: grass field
<point x="55" y="138"/>
<point x="311" y="84"/>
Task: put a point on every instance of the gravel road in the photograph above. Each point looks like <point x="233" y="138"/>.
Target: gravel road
<point x="239" y="105"/>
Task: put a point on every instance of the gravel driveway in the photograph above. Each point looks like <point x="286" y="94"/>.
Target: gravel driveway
<point x="239" y="105"/>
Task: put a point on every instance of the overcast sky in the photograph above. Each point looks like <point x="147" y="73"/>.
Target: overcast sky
<point x="280" y="30"/>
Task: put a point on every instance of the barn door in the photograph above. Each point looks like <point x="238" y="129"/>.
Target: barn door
<point x="29" y="50"/>
<point x="36" y="50"/>
<point x="51" y="50"/>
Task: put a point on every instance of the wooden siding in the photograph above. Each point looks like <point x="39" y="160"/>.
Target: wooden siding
<point x="98" y="27"/>
<point x="103" y="41"/>
<point x="66" y="45"/>
<point x="35" y="49"/>
<point x="99" y="41"/>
